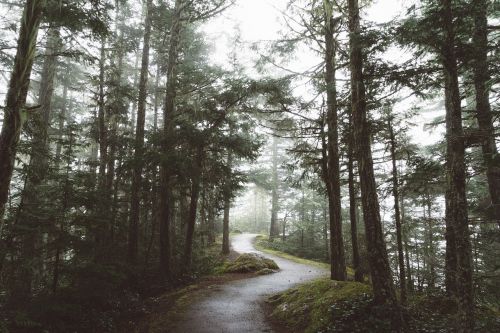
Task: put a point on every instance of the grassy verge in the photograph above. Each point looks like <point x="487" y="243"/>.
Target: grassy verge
<point x="262" y="244"/>
<point x="329" y="306"/>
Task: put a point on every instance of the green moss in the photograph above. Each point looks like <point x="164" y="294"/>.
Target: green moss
<point x="330" y="306"/>
<point x="249" y="263"/>
<point x="265" y="271"/>
<point x="436" y="312"/>
<point x="309" y="306"/>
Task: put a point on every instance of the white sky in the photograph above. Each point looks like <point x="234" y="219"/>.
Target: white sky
<point x="261" y="20"/>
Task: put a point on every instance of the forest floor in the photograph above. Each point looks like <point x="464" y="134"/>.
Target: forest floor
<point x="227" y="302"/>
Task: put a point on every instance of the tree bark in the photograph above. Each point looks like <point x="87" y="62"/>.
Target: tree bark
<point x="456" y="201"/>
<point x="358" y="274"/>
<point x="193" y="205"/>
<point x="409" y="278"/>
<point x="483" y="108"/>
<point x="15" y="112"/>
<point x="397" y="214"/>
<point x="227" y="207"/>
<point x="211" y="217"/>
<point x="139" y="140"/>
<point x="165" y="194"/>
<point x="337" y="261"/>
<point x="383" y="287"/>
<point x="31" y="262"/>
<point x="103" y="204"/>
<point x="274" y="230"/>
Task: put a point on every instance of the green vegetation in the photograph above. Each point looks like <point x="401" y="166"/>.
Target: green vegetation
<point x="325" y="305"/>
<point x="263" y="244"/>
<point x="310" y="306"/>
<point x="276" y="247"/>
<point x="132" y="134"/>
<point x="100" y="297"/>
<point x="251" y="263"/>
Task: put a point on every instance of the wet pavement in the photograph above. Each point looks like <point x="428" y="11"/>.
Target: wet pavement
<point x="236" y="307"/>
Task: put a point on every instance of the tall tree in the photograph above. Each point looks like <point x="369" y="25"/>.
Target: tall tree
<point x="139" y="139"/>
<point x="397" y="213"/>
<point x="196" y="174"/>
<point x="456" y="200"/>
<point x="332" y="176"/>
<point x="31" y="215"/>
<point x="15" y="111"/>
<point x="383" y="288"/>
<point x="274" y="229"/>
<point x="483" y="108"/>
<point x="353" y="206"/>
<point x="165" y="195"/>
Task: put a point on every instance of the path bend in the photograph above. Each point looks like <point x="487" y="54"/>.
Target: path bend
<point x="236" y="306"/>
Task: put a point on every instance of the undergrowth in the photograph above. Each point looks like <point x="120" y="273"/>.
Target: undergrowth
<point x="329" y="306"/>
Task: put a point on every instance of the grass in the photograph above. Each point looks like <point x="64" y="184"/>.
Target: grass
<point x="261" y="242"/>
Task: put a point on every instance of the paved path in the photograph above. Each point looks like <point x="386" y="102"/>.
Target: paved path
<point x="236" y="307"/>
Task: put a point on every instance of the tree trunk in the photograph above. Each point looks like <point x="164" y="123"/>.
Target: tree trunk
<point x="165" y="195"/>
<point x="61" y="118"/>
<point x="154" y="173"/>
<point x="337" y="262"/>
<point x="227" y="207"/>
<point x="15" y="103"/>
<point x="64" y="207"/>
<point x="483" y="108"/>
<point x="273" y="230"/>
<point x="405" y="238"/>
<point x="430" y="257"/>
<point x="456" y="201"/>
<point x="193" y="206"/>
<point x="211" y="217"/>
<point x="103" y="191"/>
<point x="139" y="140"/>
<point x="30" y="261"/>
<point x="383" y="287"/>
<point x="358" y="274"/>
<point x="397" y="214"/>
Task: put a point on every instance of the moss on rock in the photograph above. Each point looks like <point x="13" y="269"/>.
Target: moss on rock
<point x="266" y="271"/>
<point x="310" y="306"/>
<point x="250" y="263"/>
<point x="329" y="306"/>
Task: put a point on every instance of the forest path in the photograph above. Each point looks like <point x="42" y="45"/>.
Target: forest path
<point x="237" y="306"/>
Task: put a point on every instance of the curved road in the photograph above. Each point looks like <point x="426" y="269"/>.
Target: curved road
<point x="236" y="306"/>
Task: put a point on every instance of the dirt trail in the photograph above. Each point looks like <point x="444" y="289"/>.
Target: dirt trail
<point x="236" y="307"/>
